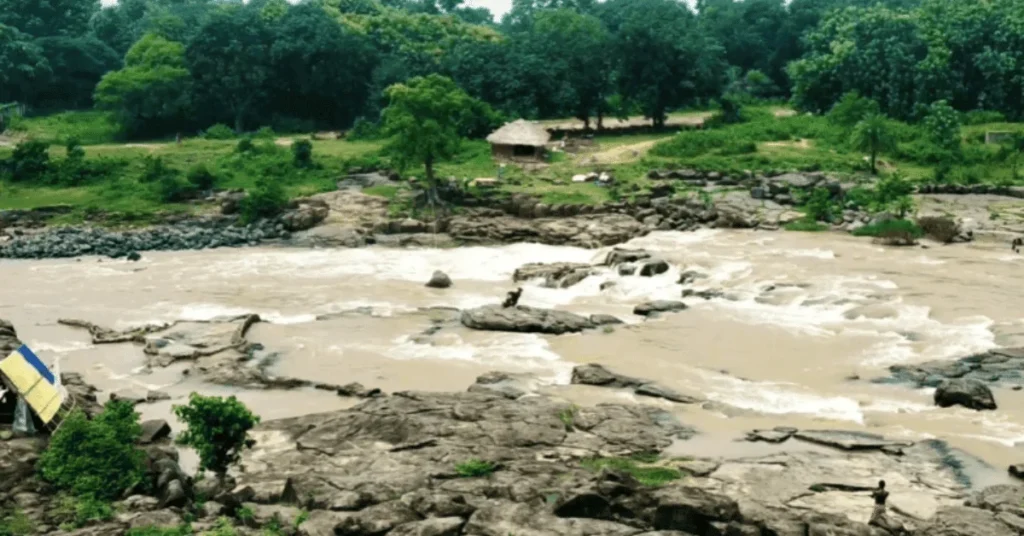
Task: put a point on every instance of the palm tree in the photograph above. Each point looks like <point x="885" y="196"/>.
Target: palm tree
<point x="873" y="134"/>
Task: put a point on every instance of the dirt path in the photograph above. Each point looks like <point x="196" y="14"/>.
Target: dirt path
<point x="620" y="154"/>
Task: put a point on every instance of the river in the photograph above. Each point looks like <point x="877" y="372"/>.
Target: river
<point x="802" y="315"/>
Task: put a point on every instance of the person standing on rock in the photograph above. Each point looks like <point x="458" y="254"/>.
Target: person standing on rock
<point x="880" y="495"/>
<point x="513" y="298"/>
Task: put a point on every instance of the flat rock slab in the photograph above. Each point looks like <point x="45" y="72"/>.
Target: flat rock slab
<point x="1003" y="366"/>
<point x="599" y="376"/>
<point x="524" y="319"/>
<point x="659" y="306"/>
<point x="846" y="440"/>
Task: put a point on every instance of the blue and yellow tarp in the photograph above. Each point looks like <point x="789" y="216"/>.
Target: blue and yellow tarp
<point x="34" y="382"/>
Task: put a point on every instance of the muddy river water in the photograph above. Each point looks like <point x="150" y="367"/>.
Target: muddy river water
<point x="840" y="308"/>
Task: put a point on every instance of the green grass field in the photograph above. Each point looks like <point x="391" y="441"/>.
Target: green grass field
<point x="767" y="142"/>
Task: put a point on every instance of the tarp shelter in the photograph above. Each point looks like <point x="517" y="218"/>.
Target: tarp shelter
<point x="520" y="139"/>
<point x="25" y="374"/>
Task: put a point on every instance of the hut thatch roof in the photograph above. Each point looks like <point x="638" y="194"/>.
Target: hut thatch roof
<point x="520" y="132"/>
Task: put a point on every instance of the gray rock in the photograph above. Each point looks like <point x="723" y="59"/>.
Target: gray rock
<point x="968" y="393"/>
<point x="604" y="320"/>
<point x="847" y="440"/>
<point x="524" y="319"/>
<point x="656" y="391"/>
<point x="594" y="374"/>
<point x="658" y="306"/>
<point x="626" y="269"/>
<point x="439" y="280"/>
<point x="508" y="385"/>
<point x="173" y="495"/>
<point x="438" y="526"/>
<point x="619" y="256"/>
<point x="154" y="430"/>
<point x="653" y="267"/>
<point x="770" y="436"/>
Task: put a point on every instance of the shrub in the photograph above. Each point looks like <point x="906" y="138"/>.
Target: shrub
<point x="30" y="161"/>
<point x="892" y="232"/>
<point x="475" y="468"/>
<point x="201" y="177"/>
<point x="266" y="200"/>
<point x="819" y="205"/>
<point x="363" y="130"/>
<point x="635" y="466"/>
<point x="155" y="170"/>
<point x="96" y="458"/>
<point x="15" y="523"/>
<point x="182" y="530"/>
<point x="265" y="133"/>
<point x="806" y="226"/>
<point x="174" y="189"/>
<point x="245" y="145"/>
<point x="73" y="512"/>
<point x="738" y="147"/>
<point x="302" y="153"/>
<point x="219" y="132"/>
<point x="980" y="117"/>
<point x="852" y="109"/>
<point x="217" y="428"/>
<point x="939" y="228"/>
<point x="943" y="126"/>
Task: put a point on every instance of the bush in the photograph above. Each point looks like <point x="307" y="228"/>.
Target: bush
<point x="892" y="232"/>
<point x="201" y="177"/>
<point x="96" y="459"/>
<point x="475" y="468"/>
<point x="15" y="523"/>
<point x="30" y="161"/>
<point x="219" y="132"/>
<point x="245" y="145"/>
<point x="852" y="109"/>
<point x="265" y="133"/>
<point x="738" y="147"/>
<point x="806" y="226"/>
<point x="217" y="428"/>
<point x="939" y="228"/>
<point x="155" y="170"/>
<point x="266" y="200"/>
<point x="302" y="153"/>
<point x="174" y="189"/>
<point x="819" y="206"/>
<point x="363" y="130"/>
<point x="980" y="117"/>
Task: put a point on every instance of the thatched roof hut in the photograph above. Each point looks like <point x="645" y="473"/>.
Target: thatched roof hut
<point x="519" y="139"/>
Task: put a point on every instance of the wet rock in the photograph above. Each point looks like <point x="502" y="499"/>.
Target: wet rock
<point x="357" y="390"/>
<point x="968" y="393"/>
<point x="703" y="294"/>
<point x="627" y="268"/>
<point x="658" y="306"/>
<point x="1017" y="470"/>
<point x="653" y="267"/>
<point x="554" y="274"/>
<point x="600" y="376"/>
<point x="133" y="256"/>
<point x="619" y="256"/>
<point x="1003" y="366"/>
<point x="154" y="430"/>
<point x="524" y="319"/>
<point x="656" y="391"/>
<point x="506" y="384"/>
<point x="961" y="520"/>
<point x="846" y="440"/>
<point x="777" y="435"/>
<point x="591" y="231"/>
<point x="604" y="320"/>
<point x="439" y="280"/>
<point x="689" y="276"/>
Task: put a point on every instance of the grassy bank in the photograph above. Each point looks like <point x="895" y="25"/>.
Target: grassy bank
<point x="767" y="141"/>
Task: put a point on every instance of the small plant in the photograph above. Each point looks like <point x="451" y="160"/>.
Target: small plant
<point x="475" y="468"/>
<point x="892" y="232"/>
<point x="217" y="428"/>
<point x="806" y="226"/>
<point x="245" y="514"/>
<point x="74" y="512"/>
<point x="302" y="153"/>
<point x="30" y="161"/>
<point x="219" y="132"/>
<point x="245" y="145"/>
<point x="940" y="228"/>
<point x="15" y="523"/>
<point x="568" y="416"/>
<point x="96" y="459"/>
<point x="638" y="466"/>
<point x="301" y="518"/>
<point x="181" y="530"/>
<point x="201" y="177"/>
<point x="265" y="201"/>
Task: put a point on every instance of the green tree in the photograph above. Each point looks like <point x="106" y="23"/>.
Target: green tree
<point x="230" y="63"/>
<point x="852" y="109"/>
<point x="77" y="64"/>
<point x="23" y="67"/>
<point x="46" y="18"/>
<point x="664" y="58"/>
<point x="96" y="459"/>
<point x="217" y="428"/>
<point x="578" y="45"/>
<point x="152" y="92"/>
<point x="321" y="70"/>
<point x="873" y="134"/>
<point x="423" y="119"/>
<point x="943" y="127"/>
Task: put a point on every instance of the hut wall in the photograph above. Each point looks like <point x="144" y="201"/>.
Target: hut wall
<point x="503" y="151"/>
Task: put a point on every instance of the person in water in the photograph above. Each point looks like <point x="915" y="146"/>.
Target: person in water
<point x="1017" y="244"/>
<point x="880" y="495"/>
<point x="513" y="298"/>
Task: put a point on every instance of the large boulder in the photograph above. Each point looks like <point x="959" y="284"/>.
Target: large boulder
<point x="621" y="255"/>
<point x="524" y="319"/>
<point x="658" y="306"/>
<point x="439" y="280"/>
<point x="965" y="392"/>
<point x="653" y="267"/>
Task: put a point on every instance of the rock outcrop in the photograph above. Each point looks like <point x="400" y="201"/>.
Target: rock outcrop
<point x="524" y="319"/>
<point x="966" y="392"/>
<point x="555" y="275"/>
<point x="599" y="376"/>
<point x="653" y="308"/>
<point x="1003" y="366"/>
<point x="582" y="231"/>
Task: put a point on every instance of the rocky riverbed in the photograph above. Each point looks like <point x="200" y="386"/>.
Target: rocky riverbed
<point x="347" y="218"/>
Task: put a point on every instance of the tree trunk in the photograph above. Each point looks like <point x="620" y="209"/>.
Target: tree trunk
<point x="600" y="118"/>
<point x="431" y="184"/>
<point x="874" y="170"/>
<point x="239" y="120"/>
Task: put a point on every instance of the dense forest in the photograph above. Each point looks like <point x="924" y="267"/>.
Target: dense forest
<point x="166" y="66"/>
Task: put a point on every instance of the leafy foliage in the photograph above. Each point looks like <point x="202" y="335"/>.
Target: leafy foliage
<point x="96" y="459"/>
<point x="217" y="428"/>
<point x="475" y="468"/>
<point x="873" y="134"/>
<point x="897" y="232"/>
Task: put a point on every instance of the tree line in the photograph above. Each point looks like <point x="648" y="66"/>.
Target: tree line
<point x="166" y="66"/>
